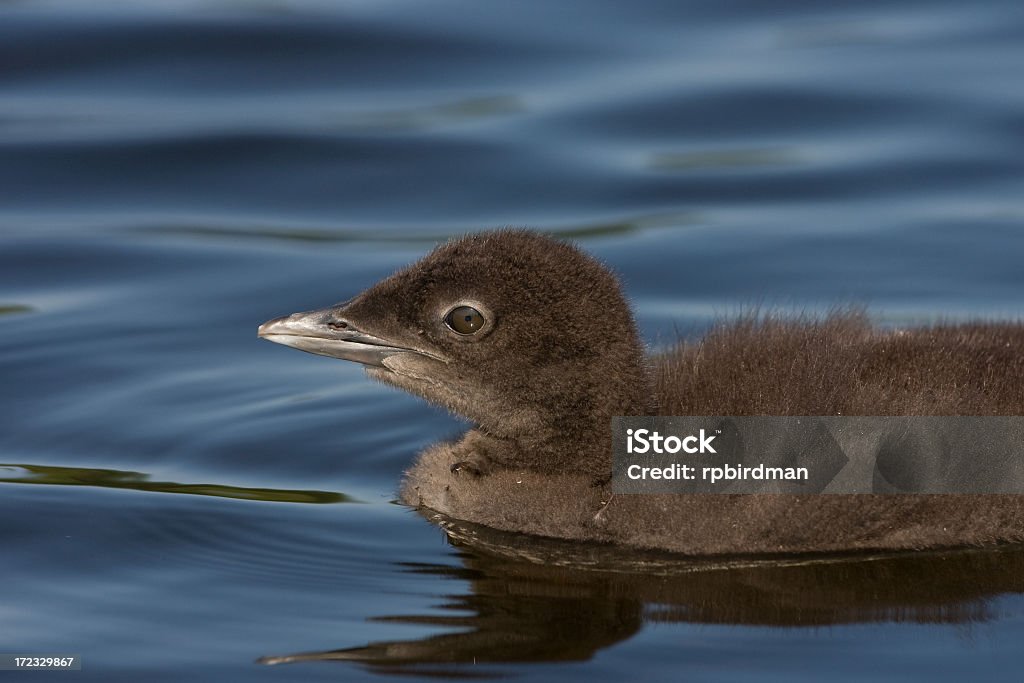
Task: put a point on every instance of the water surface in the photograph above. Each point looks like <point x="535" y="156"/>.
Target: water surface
<point x="178" y="499"/>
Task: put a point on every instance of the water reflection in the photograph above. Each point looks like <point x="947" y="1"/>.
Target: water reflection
<point x="722" y="159"/>
<point x="576" y="231"/>
<point x="138" y="481"/>
<point x="429" y="116"/>
<point x="531" y="600"/>
<point x="13" y="309"/>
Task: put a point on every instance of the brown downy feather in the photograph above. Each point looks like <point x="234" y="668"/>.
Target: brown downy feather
<point x="559" y="355"/>
<point x="840" y="365"/>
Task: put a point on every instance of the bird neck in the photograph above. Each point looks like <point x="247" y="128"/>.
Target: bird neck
<point x="572" y="430"/>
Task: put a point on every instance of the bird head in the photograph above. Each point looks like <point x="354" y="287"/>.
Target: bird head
<point x="525" y="335"/>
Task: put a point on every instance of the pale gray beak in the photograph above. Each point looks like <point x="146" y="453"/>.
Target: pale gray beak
<point x="327" y="333"/>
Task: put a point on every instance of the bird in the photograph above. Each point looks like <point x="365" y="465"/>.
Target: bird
<point x="532" y="340"/>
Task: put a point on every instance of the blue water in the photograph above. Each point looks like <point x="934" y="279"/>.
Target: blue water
<point x="180" y="499"/>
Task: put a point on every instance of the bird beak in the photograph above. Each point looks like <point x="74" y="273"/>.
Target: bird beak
<point x="325" y="332"/>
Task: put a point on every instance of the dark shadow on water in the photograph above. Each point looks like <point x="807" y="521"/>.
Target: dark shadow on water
<point x="538" y="600"/>
<point x="138" y="481"/>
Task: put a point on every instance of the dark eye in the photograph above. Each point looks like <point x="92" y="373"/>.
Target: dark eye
<point x="464" y="320"/>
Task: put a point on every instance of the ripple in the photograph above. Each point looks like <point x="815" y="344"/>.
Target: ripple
<point x="137" y="481"/>
<point x="13" y="309"/>
<point x="51" y="121"/>
<point x="722" y="159"/>
<point x="299" y="546"/>
<point x="432" y="116"/>
<point x="404" y="236"/>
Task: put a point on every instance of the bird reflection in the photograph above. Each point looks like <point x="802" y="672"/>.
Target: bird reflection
<point x="543" y="600"/>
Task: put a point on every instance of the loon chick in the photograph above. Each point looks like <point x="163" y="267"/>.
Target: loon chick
<point x="533" y="341"/>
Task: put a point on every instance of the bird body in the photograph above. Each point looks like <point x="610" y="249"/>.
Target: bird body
<point x="532" y="340"/>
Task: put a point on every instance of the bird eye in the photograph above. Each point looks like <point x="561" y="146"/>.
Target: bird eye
<point x="464" y="320"/>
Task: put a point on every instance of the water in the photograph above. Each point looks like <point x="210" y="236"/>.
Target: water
<point x="180" y="499"/>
